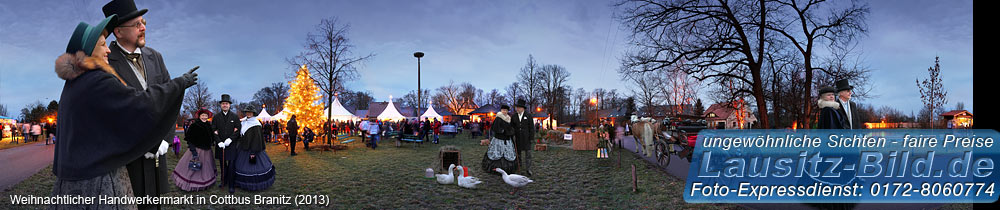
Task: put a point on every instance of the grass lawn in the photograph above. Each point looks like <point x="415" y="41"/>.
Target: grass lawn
<point x="5" y="142"/>
<point x="392" y="178"/>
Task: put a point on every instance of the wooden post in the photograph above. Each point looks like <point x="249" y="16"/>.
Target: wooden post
<point x="635" y="182"/>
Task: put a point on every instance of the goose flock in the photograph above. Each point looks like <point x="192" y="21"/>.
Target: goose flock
<point x="514" y="180"/>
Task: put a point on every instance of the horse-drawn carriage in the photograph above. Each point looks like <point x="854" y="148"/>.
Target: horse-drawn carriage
<point x="662" y="138"/>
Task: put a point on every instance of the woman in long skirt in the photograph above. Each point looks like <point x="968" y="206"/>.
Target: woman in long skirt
<point x="101" y="121"/>
<point x="196" y="169"/>
<point x="253" y="167"/>
<point x="501" y="152"/>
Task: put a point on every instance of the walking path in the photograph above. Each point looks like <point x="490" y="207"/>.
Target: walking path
<point x="21" y="162"/>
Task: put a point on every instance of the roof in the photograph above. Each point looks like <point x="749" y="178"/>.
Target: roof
<point x="613" y="112"/>
<point x="486" y="109"/>
<point x="375" y="108"/>
<point x="721" y="110"/>
<point x="956" y="112"/>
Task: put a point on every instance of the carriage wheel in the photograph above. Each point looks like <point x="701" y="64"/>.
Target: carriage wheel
<point x="662" y="154"/>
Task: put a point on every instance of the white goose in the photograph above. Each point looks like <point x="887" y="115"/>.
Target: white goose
<point x="466" y="181"/>
<point x="514" y="180"/>
<point x="446" y="178"/>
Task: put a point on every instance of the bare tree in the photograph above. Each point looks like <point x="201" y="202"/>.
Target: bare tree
<point x="492" y="97"/>
<point x="529" y="80"/>
<point x="410" y="99"/>
<point x="645" y="87"/>
<point x="272" y="97"/>
<point x="720" y="40"/>
<point x="328" y="53"/>
<point x="932" y="92"/>
<point x="458" y="99"/>
<point x="678" y="88"/>
<point x="358" y="100"/>
<point x="553" y="79"/>
<point x="807" y="25"/>
<point x="512" y="93"/>
<point x="196" y="98"/>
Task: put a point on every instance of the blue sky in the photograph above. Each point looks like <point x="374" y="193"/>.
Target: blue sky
<point x="241" y="46"/>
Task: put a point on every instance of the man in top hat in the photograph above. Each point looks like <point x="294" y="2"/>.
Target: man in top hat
<point x="848" y="108"/>
<point x="139" y="66"/>
<point x="225" y="125"/>
<point x="524" y="135"/>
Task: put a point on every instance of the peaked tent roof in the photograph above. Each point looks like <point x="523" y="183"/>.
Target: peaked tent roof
<point x="263" y="115"/>
<point x="430" y="113"/>
<point x="338" y="112"/>
<point x="390" y="112"/>
<point x="280" y="116"/>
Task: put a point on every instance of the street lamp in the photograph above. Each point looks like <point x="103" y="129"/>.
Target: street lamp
<point x="419" y="98"/>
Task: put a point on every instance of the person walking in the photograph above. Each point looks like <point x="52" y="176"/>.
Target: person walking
<point x="293" y="131"/>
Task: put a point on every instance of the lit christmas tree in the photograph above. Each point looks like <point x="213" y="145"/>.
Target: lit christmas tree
<point x="304" y="100"/>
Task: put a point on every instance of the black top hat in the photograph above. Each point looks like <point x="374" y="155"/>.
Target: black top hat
<point x="843" y="85"/>
<point x="125" y="9"/>
<point x="521" y="103"/>
<point x="249" y="109"/>
<point x="505" y="107"/>
<point x="826" y="89"/>
<point x="225" y="98"/>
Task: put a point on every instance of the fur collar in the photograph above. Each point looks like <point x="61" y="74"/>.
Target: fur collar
<point x="71" y="66"/>
<point x="825" y="104"/>
<point x="503" y="116"/>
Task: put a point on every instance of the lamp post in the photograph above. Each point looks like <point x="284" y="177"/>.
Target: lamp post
<point x="419" y="98"/>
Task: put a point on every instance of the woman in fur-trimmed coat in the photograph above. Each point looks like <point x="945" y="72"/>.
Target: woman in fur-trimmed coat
<point x="100" y="120"/>
<point x="501" y="153"/>
<point x="829" y="118"/>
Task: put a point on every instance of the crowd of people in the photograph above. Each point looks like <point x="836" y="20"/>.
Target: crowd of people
<point x="29" y="132"/>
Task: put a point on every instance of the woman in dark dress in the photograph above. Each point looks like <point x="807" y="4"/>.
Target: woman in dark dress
<point x="101" y="119"/>
<point x="252" y="165"/>
<point x="199" y="137"/>
<point x="501" y="153"/>
<point x="829" y="118"/>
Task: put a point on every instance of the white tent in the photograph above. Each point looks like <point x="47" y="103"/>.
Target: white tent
<point x="390" y="113"/>
<point x="281" y="116"/>
<point x="338" y="112"/>
<point x="430" y="113"/>
<point x="263" y="115"/>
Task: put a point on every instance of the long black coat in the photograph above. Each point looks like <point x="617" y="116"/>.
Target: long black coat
<point x="858" y="123"/>
<point x="293" y="129"/>
<point x="147" y="179"/>
<point x="830" y="118"/>
<point x="524" y="131"/>
<point x="252" y="140"/>
<point x="103" y="125"/>
<point x="224" y="123"/>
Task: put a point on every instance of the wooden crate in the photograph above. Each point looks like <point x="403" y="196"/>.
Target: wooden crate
<point x="450" y="157"/>
<point x="584" y="141"/>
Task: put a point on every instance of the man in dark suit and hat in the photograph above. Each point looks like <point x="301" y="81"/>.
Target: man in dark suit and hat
<point x="847" y="108"/>
<point x="524" y="135"/>
<point x="140" y="67"/>
<point x="225" y="125"/>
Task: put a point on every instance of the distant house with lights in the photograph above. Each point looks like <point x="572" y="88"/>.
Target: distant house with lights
<point x="724" y="116"/>
<point x="958" y="119"/>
